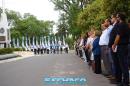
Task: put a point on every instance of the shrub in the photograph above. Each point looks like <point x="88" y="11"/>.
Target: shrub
<point x="18" y="49"/>
<point x="23" y="49"/>
<point x="6" y="51"/>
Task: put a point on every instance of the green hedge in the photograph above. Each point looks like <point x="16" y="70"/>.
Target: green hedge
<point x="23" y="49"/>
<point x="17" y="49"/>
<point x="6" y="51"/>
<point x="10" y="50"/>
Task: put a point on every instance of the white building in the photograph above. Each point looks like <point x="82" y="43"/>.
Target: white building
<point x="4" y="29"/>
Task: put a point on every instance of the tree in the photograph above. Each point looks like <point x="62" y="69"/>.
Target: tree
<point x="62" y="26"/>
<point x="28" y="25"/>
<point x="13" y="17"/>
<point x="92" y="16"/>
<point x="115" y="6"/>
<point x="98" y="10"/>
<point x="71" y="10"/>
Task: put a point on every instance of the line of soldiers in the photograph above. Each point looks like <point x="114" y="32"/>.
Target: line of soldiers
<point x="49" y="49"/>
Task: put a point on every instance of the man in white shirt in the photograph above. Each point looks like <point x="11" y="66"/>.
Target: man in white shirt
<point x="103" y="42"/>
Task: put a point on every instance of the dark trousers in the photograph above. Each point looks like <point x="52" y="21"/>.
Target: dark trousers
<point x="44" y="50"/>
<point x="5" y="45"/>
<point x="80" y="53"/>
<point x="129" y="55"/>
<point x="41" y="51"/>
<point x="122" y="55"/>
<point x="35" y="51"/>
<point x="86" y="54"/>
<point x="61" y="50"/>
<point x="38" y="51"/>
<point x="47" y="51"/>
<point x="89" y="55"/>
<point x="97" y="59"/>
<point x="106" y="59"/>
<point x="116" y="64"/>
<point x="54" y="51"/>
<point x="76" y="50"/>
<point x="66" y="50"/>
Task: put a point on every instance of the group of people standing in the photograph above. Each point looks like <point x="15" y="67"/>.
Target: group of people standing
<point x="50" y="49"/>
<point x="111" y="46"/>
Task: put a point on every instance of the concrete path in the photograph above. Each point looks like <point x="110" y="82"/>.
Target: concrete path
<point x="30" y="71"/>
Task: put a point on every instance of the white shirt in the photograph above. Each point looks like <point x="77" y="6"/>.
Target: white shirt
<point x="81" y="42"/>
<point x="104" y="39"/>
<point x="35" y="47"/>
<point x="66" y="46"/>
<point x="90" y="41"/>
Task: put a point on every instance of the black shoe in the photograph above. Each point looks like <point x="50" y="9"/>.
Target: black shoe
<point x="126" y="85"/>
<point x="97" y="72"/>
<point x="105" y="74"/>
<point x="120" y="84"/>
<point x="114" y="82"/>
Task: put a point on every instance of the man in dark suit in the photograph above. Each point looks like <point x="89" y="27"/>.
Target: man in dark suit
<point x="129" y="44"/>
<point x="114" y="54"/>
<point x="121" y="42"/>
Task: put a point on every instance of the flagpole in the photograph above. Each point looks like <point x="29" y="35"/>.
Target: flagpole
<point x="3" y="6"/>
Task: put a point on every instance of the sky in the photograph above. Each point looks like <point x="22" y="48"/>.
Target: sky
<point x="42" y="9"/>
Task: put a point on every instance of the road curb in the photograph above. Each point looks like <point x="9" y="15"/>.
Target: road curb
<point x="8" y="56"/>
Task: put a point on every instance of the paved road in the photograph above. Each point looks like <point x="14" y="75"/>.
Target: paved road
<point x="30" y="71"/>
